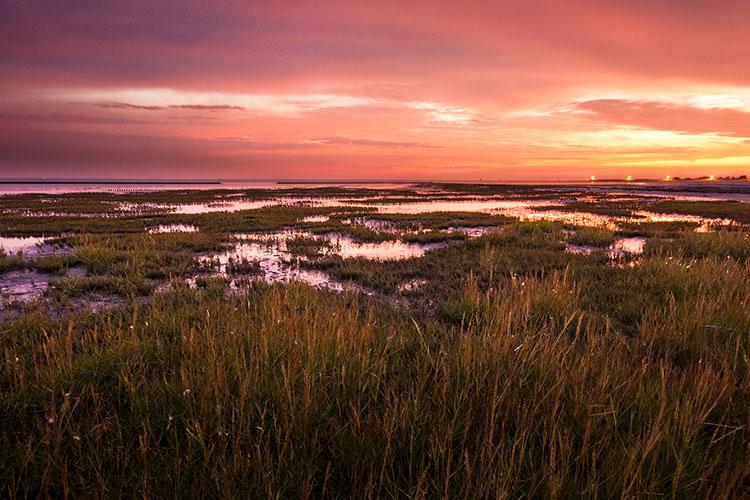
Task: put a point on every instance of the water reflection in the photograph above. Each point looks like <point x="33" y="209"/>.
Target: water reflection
<point x="24" y="245"/>
<point x="221" y="206"/>
<point x="632" y="246"/>
<point x="315" y="218"/>
<point x="706" y="221"/>
<point x="173" y="228"/>
<point x="622" y="247"/>
<point x="523" y="209"/>
<point x="484" y="206"/>
<point x="279" y="263"/>
<point x="276" y="264"/>
<point x="345" y="247"/>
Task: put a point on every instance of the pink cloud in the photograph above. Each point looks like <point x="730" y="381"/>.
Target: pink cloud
<point x="669" y="116"/>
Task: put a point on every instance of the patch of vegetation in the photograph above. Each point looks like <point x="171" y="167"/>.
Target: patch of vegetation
<point x="733" y="210"/>
<point x="444" y="220"/>
<point x="242" y="266"/>
<point x="731" y="244"/>
<point x="427" y="237"/>
<point x="307" y="246"/>
<point x="661" y="229"/>
<point x="512" y="369"/>
<point x="244" y="395"/>
<point x="593" y="236"/>
<point x="10" y="262"/>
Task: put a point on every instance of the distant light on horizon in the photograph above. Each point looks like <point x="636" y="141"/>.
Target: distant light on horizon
<point x="629" y="178"/>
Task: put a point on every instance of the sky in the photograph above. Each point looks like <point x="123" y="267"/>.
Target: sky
<point x="342" y="89"/>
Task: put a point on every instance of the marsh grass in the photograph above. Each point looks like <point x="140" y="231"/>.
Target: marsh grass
<point x="661" y="229"/>
<point x="729" y="244"/>
<point x="308" y="246"/>
<point x="739" y="212"/>
<point x="514" y="370"/>
<point x="9" y="262"/>
<point x="432" y="236"/>
<point x="242" y="266"/>
<point x="593" y="236"/>
<point x="286" y="391"/>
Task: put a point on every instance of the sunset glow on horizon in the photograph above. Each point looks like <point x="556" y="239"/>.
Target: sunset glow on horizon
<point x="546" y="90"/>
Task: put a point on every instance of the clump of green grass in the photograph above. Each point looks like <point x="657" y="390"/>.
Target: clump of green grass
<point x="308" y="246"/>
<point x="661" y="229"/>
<point x="593" y="236"/>
<point x="243" y="266"/>
<point x="96" y="258"/>
<point x="732" y="244"/>
<point x="10" y="262"/>
<point x="118" y="285"/>
<point x="53" y="263"/>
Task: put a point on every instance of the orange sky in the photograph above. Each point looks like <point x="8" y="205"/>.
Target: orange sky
<point x="375" y="90"/>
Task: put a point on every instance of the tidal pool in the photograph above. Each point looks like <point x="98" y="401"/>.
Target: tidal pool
<point x="278" y="263"/>
<point x="345" y="247"/>
<point x="25" y="245"/>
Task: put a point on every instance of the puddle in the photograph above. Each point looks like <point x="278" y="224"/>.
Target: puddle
<point x="27" y="246"/>
<point x="173" y="228"/>
<point x="229" y="205"/>
<point x="220" y="206"/>
<point x="315" y="218"/>
<point x="622" y="247"/>
<point x="703" y="221"/>
<point x="276" y="264"/>
<point x="32" y="247"/>
<point x="279" y="264"/>
<point x="631" y="246"/>
<point x="346" y="247"/>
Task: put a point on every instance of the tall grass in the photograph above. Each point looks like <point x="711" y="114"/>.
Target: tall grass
<point x="287" y="391"/>
<point x="733" y="244"/>
<point x="593" y="236"/>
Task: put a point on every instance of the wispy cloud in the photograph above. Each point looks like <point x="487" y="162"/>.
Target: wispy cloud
<point x="159" y="99"/>
<point x="348" y="141"/>
<point x="669" y="116"/>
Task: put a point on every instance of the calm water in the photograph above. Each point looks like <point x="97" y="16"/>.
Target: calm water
<point x="622" y="247"/>
<point x="277" y="263"/>
<point x="14" y="245"/>
<point x="715" y="190"/>
<point x="134" y="187"/>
